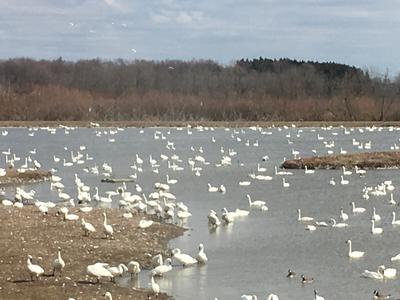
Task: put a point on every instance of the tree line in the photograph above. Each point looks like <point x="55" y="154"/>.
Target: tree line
<point x="259" y="89"/>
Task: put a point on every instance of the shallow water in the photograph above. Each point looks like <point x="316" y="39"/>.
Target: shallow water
<point x="252" y="255"/>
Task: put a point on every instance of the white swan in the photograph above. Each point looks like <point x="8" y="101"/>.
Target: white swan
<point x="338" y="225"/>
<point x="375" y="216"/>
<point x="394" y="221"/>
<point x="34" y="269"/>
<point x="212" y="189"/>
<point x="99" y="270"/>
<point x="184" y="259"/>
<point x="108" y="230"/>
<point x="343" y="215"/>
<point x="145" y="223"/>
<point x="108" y="296"/>
<point x="392" y="201"/>
<point x="354" y="254"/>
<point x="332" y="181"/>
<point x="308" y="171"/>
<point x="343" y="181"/>
<point x="58" y="263"/>
<point x="154" y="286"/>
<point x="389" y="273"/>
<point x="285" y="184"/>
<point x="378" y="275"/>
<point x="303" y="219"/>
<point x="70" y="217"/>
<point x="162" y="269"/>
<point x="346" y="172"/>
<point x="395" y="258"/>
<point x="87" y="227"/>
<point x="201" y="256"/>
<point x="228" y="217"/>
<point x="357" y="209"/>
<point x="133" y="268"/>
<point x="118" y="270"/>
<point x="317" y="297"/>
<point x="256" y="203"/>
<point x="213" y="219"/>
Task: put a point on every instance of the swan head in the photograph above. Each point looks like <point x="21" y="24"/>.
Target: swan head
<point x="348" y="242"/>
<point x="201" y="246"/>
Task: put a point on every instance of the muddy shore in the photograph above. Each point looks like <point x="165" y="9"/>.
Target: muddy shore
<point x="14" y="177"/>
<point x="27" y="231"/>
<point x="370" y="160"/>
<point x="155" y="123"/>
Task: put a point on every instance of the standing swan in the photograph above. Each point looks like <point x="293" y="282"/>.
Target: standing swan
<point x="184" y="259"/>
<point x="58" y="263"/>
<point x="34" y="269"/>
<point x="108" y="230"/>
<point x="108" y="296"/>
<point x="154" y="286"/>
<point x="354" y="254"/>
<point x="201" y="256"/>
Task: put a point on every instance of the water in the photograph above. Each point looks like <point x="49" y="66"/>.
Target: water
<point x="252" y="255"/>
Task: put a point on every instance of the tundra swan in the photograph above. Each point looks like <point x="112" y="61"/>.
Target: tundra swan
<point x="108" y="230"/>
<point x="133" y="268"/>
<point x="201" y="256"/>
<point x="154" y="286"/>
<point x="285" y="184"/>
<point x="395" y="258"/>
<point x="256" y="203"/>
<point x="317" y="297"/>
<point x="213" y="219"/>
<point x="332" y="181"/>
<point x="212" y="189"/>
<point x="380" y="296"/>
<point x="184" y="259"/>
<point x="118" y="270"/>
<point x="357" y="209"/>
<point x="308" y="171"/>
<point x="338" y="225"/>
<point x="34" y="269"/>
<point x="108" y="296"/>
<point x="343" y="215"/>
<point x="58" y="263"/>
<point x="354" y="254"/>
<point x="345" y="172"/>
<point x="376" y="230"/>
<point x="375" y="216"/>
<point x="162" y="269"/>
<point x="228" y="217"/>
<point x="99" y="270"/>
<point x="304" y="219"/>
<point x="389" y="273"/>
<point x="394" y="221"/>
<point x="87" y="227"/>
<point x="374" y="275"/>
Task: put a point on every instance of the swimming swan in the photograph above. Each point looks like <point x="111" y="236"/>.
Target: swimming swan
<point x="376" y="230"/>
<point x="256" y="203"/>
<point x="162" y="269"/>
<point x="354" y="254"/>
<point x="357" y="209"/>
<point x="374" y="275"/>
<point x="133" y="268"/>
<point x="303" y="219"/>
<point x="338" y="225"/>
<point x="394" y="221"/>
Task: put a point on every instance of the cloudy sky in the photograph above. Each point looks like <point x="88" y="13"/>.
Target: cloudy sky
<point x="364" y="33"/>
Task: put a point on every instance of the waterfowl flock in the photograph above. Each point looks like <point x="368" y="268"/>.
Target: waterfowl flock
<point x="250" y="220"/>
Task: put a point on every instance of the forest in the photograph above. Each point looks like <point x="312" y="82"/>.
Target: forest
<point x="259" y="89"/>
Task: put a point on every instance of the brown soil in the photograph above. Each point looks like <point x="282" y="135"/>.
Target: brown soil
<point x="157" y="123"/>
<point x="26" y="231"/>
<point x="371" y="160"/>
<point x="14" y="177"/>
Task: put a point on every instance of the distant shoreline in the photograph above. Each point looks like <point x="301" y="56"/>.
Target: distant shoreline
<point x="196" y="123"/>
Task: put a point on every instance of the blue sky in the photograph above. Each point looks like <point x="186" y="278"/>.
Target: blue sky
<point x="363" y="33"/>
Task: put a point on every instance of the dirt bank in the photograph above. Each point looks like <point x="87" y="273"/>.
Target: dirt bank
<point x="14" y="177"/>
<point x="26" y="231"/>
<point x="157" y="123"/>
<point x="371" y="160"/>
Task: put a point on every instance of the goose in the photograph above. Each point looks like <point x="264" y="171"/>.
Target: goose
<point x="201" y="256"/>
<point x="307" y="171"/>
<point x="213" y="219"/>
<point x="99" y="270"/>
<point x="118" y="270"/>
<point x="133" y="268"/>
<point x="338" y="225"/>
<point x="380" y="296"/>
<point x="305" y="279"/>
<point x="303" y="219"/>
<point x="317" y="297"/>
<point x="108" y="296"/>
<point x="108" y="230"/>
<point x="354" y="254"/>
<point x="374" y="275"/>
<point x="256" y="203"/>
<point x="375" y="216"/>
<point x="184" y="259"/>
<point x="343" y="181"/>
<point x="58" y="263"/>
<point x="357" y="209"/>
<point x="212" y="189"/>
<point x="154" y="286"/>
<point x="87" y="227"/>
<point x="290" y="274"/>
<point x="343" y="215"/>
<point x="34" y="269"/>
<point x="285" y="184"/>
<point x="162" y="269"/>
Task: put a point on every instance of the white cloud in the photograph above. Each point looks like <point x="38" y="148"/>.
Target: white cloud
<point x="183" y="17"/>
<point x="113" y="4"/>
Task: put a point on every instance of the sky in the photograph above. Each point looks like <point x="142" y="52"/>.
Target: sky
<point x="363" y="33"/>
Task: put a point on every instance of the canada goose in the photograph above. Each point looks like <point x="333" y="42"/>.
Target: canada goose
<point x="290" y="274"/>
<point x="380" y="295"/>
<point x="305" y="279"/>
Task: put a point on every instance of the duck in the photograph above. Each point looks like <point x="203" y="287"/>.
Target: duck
<point x="87" y="227"/>
<point x="108" y="229"/>
<point x="357" y="209"/>
<point x="34" y="269"/>
<point x="184" y="259"/>
<point x="133" y="268"/>
<point x="394" y="221"/>
<point x="256" y="203"/>
<point x="305" y="279"/>
<point x="376" y="230"/>
<point x="162" y="269"/>
<point x="303" y="219"/>
<point x="354" y="254"/>
<point x="99" y="270"/>
<point x="58" y="263"/>
<point x="201" y="256"/>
